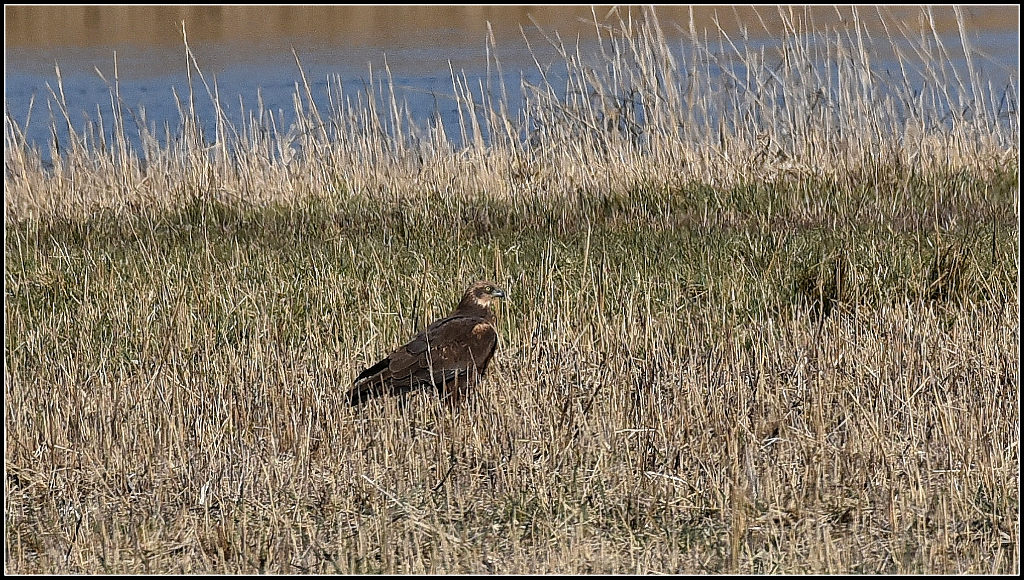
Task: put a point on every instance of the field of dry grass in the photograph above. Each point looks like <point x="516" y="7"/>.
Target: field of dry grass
<point x="784" y="341"/>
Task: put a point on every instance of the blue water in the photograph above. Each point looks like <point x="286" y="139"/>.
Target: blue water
<point x="153" y="82"/>
<point x="149" y="78"/>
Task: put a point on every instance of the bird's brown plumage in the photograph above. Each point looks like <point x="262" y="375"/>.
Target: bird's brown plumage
<point x="451" y="354"/>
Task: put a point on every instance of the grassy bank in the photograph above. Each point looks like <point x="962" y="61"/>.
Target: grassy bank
<point x="806" y="361"/>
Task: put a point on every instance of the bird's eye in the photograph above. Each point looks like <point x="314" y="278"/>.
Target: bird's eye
<point x="489" y="289"/>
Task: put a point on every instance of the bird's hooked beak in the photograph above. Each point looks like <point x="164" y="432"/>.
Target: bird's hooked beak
<point x="498" y="293"/>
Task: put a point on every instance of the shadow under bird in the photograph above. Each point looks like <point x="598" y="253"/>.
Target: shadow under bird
<point x="450" y="355"/>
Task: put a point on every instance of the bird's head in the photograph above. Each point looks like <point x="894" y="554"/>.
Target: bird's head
<point x="482" y="294"/>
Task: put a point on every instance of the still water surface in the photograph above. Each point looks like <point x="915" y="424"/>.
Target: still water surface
<point x="248" y="50"/>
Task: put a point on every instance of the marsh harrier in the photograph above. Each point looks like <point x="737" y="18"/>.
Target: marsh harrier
<point x="451" y="354"/>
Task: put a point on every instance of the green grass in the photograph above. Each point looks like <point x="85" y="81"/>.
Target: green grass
<point x="658" y="371"/>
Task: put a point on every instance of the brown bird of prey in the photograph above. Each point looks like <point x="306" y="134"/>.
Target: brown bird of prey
<point x="450" y="355"/>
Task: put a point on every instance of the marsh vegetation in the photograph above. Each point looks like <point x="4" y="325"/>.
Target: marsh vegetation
<point x="763" y="317"/>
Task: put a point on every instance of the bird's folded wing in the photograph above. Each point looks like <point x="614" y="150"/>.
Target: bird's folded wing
<point x="442" y="352"/>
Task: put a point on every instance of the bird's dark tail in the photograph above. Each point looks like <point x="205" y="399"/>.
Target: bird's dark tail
<point x="368" y="385"/>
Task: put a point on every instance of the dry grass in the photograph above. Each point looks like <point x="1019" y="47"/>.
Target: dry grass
<point x="806" y="361"/>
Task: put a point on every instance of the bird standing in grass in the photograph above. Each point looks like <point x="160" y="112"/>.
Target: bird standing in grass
<point x="450" y="355"/>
